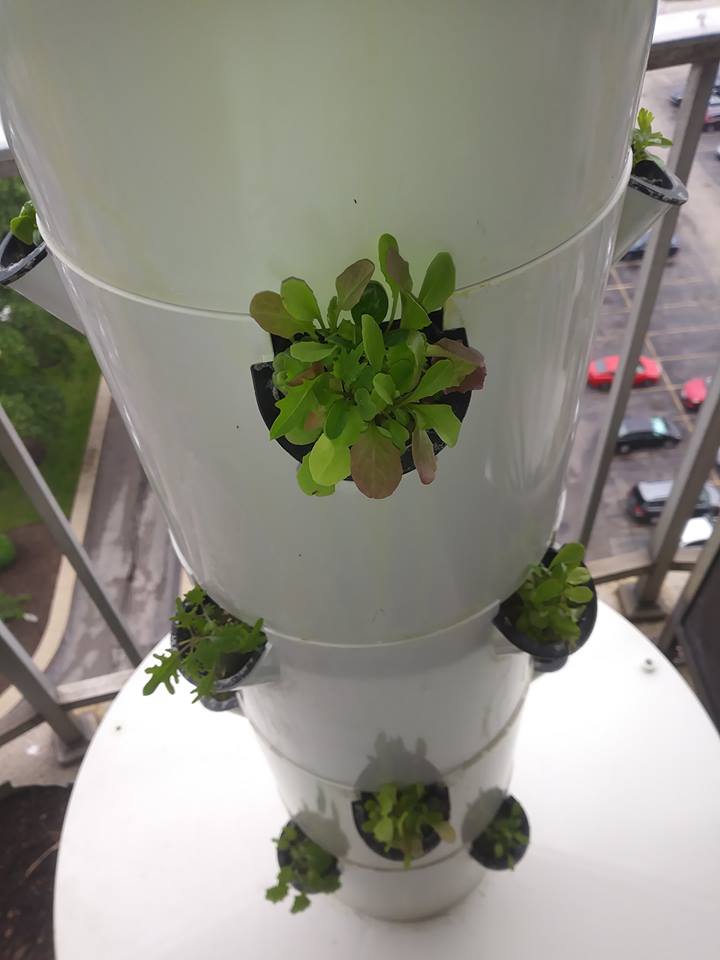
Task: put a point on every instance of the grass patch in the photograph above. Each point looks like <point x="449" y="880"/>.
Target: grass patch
<point x="62" y="463"/>
<point x="77" y="384"/>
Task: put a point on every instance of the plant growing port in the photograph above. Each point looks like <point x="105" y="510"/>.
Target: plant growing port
<point x="358" y="382"/>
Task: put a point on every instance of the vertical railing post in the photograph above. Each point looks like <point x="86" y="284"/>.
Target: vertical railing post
<point x="17" y="666"/>
<point x="688" y="482"/>
<point x="17" y="458"/>
<point x="686" y="137"/>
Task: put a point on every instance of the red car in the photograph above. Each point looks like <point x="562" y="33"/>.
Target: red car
<point x="693" y="392"/>
<point x="602" y="372"/>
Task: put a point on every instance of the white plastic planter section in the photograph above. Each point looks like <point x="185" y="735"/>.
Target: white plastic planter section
<point x="221" y="162"/>
<point x="34" y="275"/>
<point x="646" y="200"/>
<point x="345" y="569"/>
<point x="171" y="192"/>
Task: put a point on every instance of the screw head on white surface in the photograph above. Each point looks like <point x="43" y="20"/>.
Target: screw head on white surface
<point x="648" y="665"/>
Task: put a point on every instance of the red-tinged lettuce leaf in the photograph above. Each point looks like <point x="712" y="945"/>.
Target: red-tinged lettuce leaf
<point x="475" y="379"/>
<point x="397" y="270"/>
<point x="375" y="465"/>
<point x="269" y="312"/>
<point x="351" y="283"/>
<point x="423" y="456"/>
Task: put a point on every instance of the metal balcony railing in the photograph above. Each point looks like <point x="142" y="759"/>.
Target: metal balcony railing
<point x="679" y="39"/>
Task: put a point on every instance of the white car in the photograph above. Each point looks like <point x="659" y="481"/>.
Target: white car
<point x="696" y="532"/>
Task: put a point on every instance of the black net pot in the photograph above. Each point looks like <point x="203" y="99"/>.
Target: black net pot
<point x="547" y="652"/>
<point x="482" y="848"/>
<point x="236" y="667"/>
<point x="284" y="860"/>
<point x="18" y="258"/>
<point x="437" y="793"/>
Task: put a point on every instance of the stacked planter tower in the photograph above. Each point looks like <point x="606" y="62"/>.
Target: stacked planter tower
<point x="183" y="157"/>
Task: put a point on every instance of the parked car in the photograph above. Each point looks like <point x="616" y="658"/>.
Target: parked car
<point x="637" y="250"/>
<point x="696" y="532"/>
<point x="712" y="114"/>
<point x="693" y="392"/>
<point x="676" y="97"/>
<point x="646" y="500"/>
<point x="601" y="373"/>
<point x="637" y="433"/>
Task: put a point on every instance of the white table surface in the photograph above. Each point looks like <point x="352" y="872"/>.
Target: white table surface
<point x="166" y="849"/>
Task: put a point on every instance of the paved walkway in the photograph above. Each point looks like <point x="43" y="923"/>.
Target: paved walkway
<point x="127" y="540"/>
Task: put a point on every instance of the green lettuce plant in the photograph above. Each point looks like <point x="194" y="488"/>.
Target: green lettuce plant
<point x="643" y="136"/>
<point x="396" y="816"/>
<point x="551" y="600"/>
<point x="360" y="383"/>
<point x="12" y="607"/>
<point x="209" y="645"/>
<point x="506" y="836"/>
<point x="309" y="869"/>
<point x="24" y="225"/>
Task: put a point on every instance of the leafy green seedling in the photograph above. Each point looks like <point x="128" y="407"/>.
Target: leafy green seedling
<point x="307" y="867"/>
<point x="506" y="835"/>
<point x="552" y="599"/>
<point x="210" y="645"/>
<point x="24" y="225"/>
<point x="361" y="384"/>
<point x="643" y="136"/>
<point x="12" y="607"/>
<point x="396" y="817"/>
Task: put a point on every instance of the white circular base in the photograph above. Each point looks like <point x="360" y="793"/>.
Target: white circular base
<point x="166" y="849"/>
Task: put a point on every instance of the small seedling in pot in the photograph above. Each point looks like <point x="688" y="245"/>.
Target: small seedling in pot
<point x="360" y="383"/>
<point x="505" y="839"/>
<point x="303" y="865"/>
<point x="643" y="136"/>
<point x="24" y="225"/>
<point x="398" y="818"/>
<point x="210" y="645"/>
<point x="553" y="598"/>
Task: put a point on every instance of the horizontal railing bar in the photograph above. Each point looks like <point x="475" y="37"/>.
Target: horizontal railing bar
<point x="638" y="562"/>
<point x="70" y="696"/>
<point x="685" y="37"/>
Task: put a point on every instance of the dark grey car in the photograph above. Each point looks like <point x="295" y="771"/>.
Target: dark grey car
<point x="636" y="433"/>
<point x="646" y="500"/>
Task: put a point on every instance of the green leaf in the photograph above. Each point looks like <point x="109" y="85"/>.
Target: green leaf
<point x="547" y="590"/>
<point x="571" y="555"/>
<point x="301" y="436"/>
<point x="387" y="797"/>
<point x="413" y="315"/>
<point x="329" y="461"/>
<point x="579" y="594"/>
<point x="332" y="311"/>
<point x="387" y="242"/>
<point x="348" y="364"/>
<point x="439" y="282"/>
<point x="337" y="418"/>
<point x="373" y="342"/>
<point x="578" y="576"/>
<point x="397" y="270"/>
<point x="165" y="671"/>
<point x="277" y="893"/>
<point x="375" y="464"/>
<point x="385" y="387"/>
<point x="398" y="434"/>
<point x="374" y="302"/>
<point x="366" y="407"/>
<point x="440" y="418"/>
<point x="440" y="376"/>
<point x="294" y="408"/>
<point x="268" y="311"/>
<point x="383" y="830"/>
<point x="423" y="456"/>
<point x="299" y="300"/>
<point x="309" y="350"/>
<point x="300" y="903"/>
<point x="445" y="831"/>
<point x="351" y="283"/>
<point x="354" y="426"/>
<point x="307" y="484"/>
